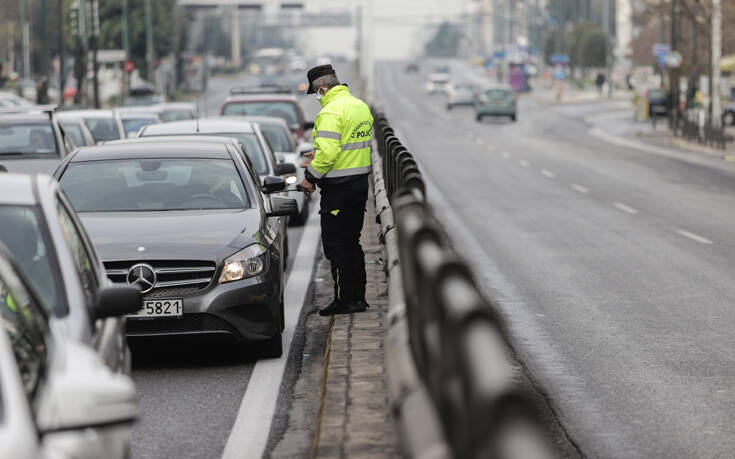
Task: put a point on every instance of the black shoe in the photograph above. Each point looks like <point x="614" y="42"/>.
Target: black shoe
<point x="330" y="309"/>
<point x="365" y="303"/>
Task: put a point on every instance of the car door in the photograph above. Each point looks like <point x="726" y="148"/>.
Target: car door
<point x="108" y="337"/>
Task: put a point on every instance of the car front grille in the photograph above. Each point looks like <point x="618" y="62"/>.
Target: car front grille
<point x="187" y="323"/>
<point x="173" y="277"/>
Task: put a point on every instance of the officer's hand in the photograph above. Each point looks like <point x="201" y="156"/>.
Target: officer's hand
<point x="309" y="155"/>
<point x="307" y="187"/>
<point x="306" y="163"/>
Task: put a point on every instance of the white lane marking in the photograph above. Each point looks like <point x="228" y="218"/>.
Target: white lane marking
<point x="580" y="188"/>
<point x="692" y="236"/>
<point x="249" y="434"/>
<point x="524" y="163"/>
<point x="547" y="173"/>
<point x="479" y="141"/>
<point x="625" y="208"/>
<point x="505" y="154"/>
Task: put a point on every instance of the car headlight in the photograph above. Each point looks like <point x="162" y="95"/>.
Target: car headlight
<point x="248" y="262"/>
<point x="291" y="179"/>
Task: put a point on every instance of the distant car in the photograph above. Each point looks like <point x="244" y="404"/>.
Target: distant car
<point x="728" y="115"/>
<point x="460" y="94"/>
<point x="179" y="111"/>
<point x="286" y="149"/>
<point x="188" y="223"/>
<point x="132" y="121"/>
<point x="105" y="125"/>
<point x="281" y="104"/>
<point x="10" y="100"/>
<point x="52" y="249"/>
<point x="658" y="103"/>
<point x="437" y="83"/>
<point x="31" y="140"/>
<point x="496" y="101"/>
<point x="144" y="95"/>
<point x="57" y="399"/>
<point x="77" y="131"/>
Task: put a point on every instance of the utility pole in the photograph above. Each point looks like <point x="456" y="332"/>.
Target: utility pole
<point x="94" y="42"/>
<point x="62" y="74"/>
<point x="716" y="52"/>
<point x="126" y="45"/>
<point x="370" y="48"/>
<point x="608" y="45"/>
<point x="235" y="45"/>
<point x="25" y="37"/>
<point x="674" y="72"/>
<point x="149" y="40"/>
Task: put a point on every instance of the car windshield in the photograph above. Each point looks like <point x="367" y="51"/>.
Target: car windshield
<point x="279" y="139"/>
<point x="284" y="110"/>
<point x="22" y="233"/>
<point x="178" y="114"/>
<point x="133" y="125"/>
<point x="499" y="93"/>
<point x="75" y="134"/>
<point x="129" y="185"/>
<point x="103" y="129"/>
<point x="27" y="138"/>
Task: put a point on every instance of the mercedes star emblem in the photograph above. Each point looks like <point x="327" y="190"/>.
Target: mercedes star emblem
<point x="142" y="276"/>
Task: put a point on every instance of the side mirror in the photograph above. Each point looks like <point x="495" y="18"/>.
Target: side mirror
<point x="283" y="207"/>
<point x="85" y="393"/>
<point x="273" y="185"/>
<point x="305" y="148"/>
<point x="284" y="169"/>
<point x="117" y="300"/>
<point x="308" y="125"/>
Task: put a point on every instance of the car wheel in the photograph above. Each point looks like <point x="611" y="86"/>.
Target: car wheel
<point x="478" y="117"/>
<point x="272" y="348"/>
<point x="513" y="118"/>
<point x="449" y="107"/>
<point x="728" y="119"/>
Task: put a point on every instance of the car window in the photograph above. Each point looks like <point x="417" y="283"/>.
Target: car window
<point x="285" y="110"/>
<point x="84" y="262"/>
<point x="26" y="326"/>
<point x="23" y="233"/>
<point x="27" y="138"/>
<point x="129" y="185"/>
<point x="74" y="132"/>
<point x="499" y="93"/>
<point x="254" y="150"/>
<point x="279" y="139"/>
<point x="103" y="129"/>
<point x="133" y="125"/>
<point x="179" y="114"/>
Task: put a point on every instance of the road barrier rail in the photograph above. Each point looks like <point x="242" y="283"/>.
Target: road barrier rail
<point x="452" y="381"/>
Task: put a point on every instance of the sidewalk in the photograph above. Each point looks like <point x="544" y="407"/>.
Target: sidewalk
<point x="354" y="418"/>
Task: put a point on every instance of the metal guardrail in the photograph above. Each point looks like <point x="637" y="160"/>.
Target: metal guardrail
<point x="455" y="354"/>
<point x="694" y="129"/>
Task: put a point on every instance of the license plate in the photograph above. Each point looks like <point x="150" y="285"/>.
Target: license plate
<point x="160" y="308"/>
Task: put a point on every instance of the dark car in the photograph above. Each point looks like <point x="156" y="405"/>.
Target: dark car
<point x="244" y="102"/>
<point x="31" y="140"/>
<point x="52" y="249"/>
<point x="188" y="223"/>
<point x="658" y="103"/>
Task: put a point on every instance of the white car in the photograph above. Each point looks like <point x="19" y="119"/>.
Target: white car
<point x="57" y="397"/>
<point x="437" y="83"/>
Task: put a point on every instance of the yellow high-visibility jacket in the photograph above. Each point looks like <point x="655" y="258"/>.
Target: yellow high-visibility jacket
<point x="342" y="135"/>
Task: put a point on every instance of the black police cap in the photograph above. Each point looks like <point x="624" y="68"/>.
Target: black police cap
<point x="318" y="72"/>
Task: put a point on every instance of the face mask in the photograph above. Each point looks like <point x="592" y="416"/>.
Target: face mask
<point x="319" y="94"/>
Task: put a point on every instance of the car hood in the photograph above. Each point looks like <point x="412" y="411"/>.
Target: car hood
<point x="30" y="165"/>
<point x="173" y="235"/>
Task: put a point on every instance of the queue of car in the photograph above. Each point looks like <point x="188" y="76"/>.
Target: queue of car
<point x="126" y="223"/>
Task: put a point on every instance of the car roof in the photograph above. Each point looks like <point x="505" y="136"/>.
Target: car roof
<point x="170" y="148"/>
<point x="262" y="97"/>
<point x="169" y="105"/>
<point x="16" y="189"/>
<point x="202" y="126"/>
<point x="24" y="116"/>
<point x="126" y="115"/>
<point x="266" y="120"/>
<point x="101" y="113"/>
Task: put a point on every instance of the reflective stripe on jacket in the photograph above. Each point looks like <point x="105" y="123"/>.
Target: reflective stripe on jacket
<point x="342" y="133"/>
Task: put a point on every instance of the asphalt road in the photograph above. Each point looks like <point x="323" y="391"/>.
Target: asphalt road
<point x="190" y="391"/>
<point x="612" y="266"/>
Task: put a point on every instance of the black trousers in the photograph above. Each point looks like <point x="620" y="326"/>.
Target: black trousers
<point x="342" y="214"/>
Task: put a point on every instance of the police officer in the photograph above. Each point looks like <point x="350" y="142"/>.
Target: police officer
<point x="340" y="165"/>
